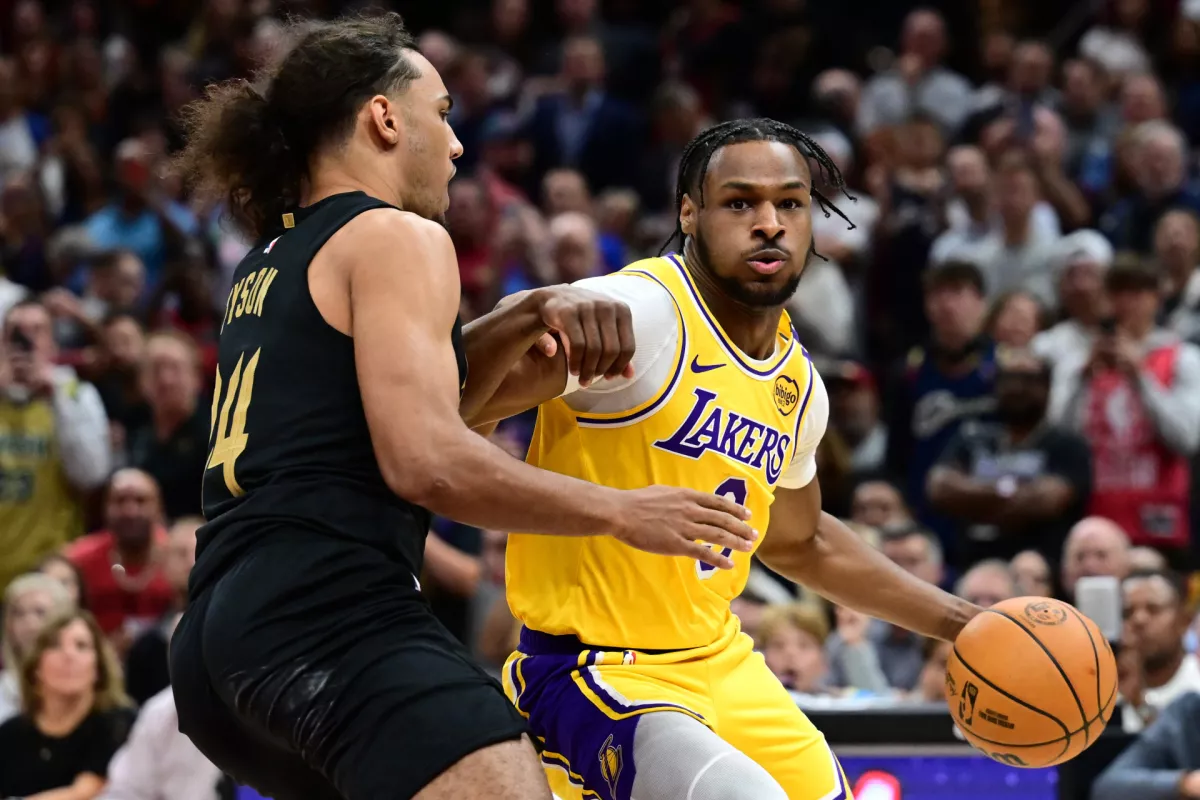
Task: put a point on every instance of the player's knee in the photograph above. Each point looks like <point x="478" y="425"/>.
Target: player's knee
<point x="734" y="776"/>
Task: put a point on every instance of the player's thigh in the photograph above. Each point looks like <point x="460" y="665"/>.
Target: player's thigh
<point x="678" y="758"/>
<point x="758" y="716"/>
<point x="217" y="732"/>
<point x="507" y="771"/>
<point x="355" y="675"/>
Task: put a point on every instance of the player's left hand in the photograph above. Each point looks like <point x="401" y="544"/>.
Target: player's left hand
<point x="596" y="332"/>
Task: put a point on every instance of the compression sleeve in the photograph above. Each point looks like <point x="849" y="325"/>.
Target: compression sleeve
<point x="655" y="335"/>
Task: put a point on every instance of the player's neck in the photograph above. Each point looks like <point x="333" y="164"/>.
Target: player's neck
<point x="752" y="329"/>
<point x="351" y="171"/>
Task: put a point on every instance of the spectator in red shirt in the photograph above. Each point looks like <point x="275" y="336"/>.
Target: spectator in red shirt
<point x="121" y="565"/>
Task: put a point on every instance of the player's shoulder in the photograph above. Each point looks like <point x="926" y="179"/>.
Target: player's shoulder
<point x="388" y="226"/>
<point x="647" y="298"/>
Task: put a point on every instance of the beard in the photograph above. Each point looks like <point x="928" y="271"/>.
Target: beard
<point x="753" y="293"/>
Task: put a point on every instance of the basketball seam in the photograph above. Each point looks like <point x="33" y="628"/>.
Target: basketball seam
<point x="1095" y="650"/>
<point x="1015" y="699"/>
<point x="1087" y="736"/>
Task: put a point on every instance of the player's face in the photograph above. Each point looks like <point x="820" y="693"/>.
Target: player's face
<point x="754" y="231"/>
<point x="430" y="144"/>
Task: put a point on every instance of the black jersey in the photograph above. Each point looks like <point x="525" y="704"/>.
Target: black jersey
<point x="289" y="444"/>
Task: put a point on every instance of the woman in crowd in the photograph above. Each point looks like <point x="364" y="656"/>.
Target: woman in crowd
<point x="29" y="601"/>
<point x="63" y="570"/>
<point x="74" y="717"/>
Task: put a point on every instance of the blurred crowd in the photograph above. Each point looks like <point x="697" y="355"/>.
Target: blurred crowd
<point x="1008" y="326"/>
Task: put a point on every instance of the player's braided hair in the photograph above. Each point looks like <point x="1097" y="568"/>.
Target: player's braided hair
<point x="693" y="165"/>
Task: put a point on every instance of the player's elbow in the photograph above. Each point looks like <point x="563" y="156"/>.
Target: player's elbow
<point x="421" y="481"/>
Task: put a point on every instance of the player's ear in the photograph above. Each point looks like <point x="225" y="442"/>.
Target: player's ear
<point x="384" y="119"/>
<point x="687" y="216"/>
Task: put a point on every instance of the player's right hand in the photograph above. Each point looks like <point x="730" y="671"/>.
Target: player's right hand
<point x="672" y="521"/>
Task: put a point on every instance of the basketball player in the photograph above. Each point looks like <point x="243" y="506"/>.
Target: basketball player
<point x="631" y="668"/>
<point x="307" y="664"/>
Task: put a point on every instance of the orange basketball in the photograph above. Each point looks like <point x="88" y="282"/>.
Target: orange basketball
<point x="1031" y="682"/>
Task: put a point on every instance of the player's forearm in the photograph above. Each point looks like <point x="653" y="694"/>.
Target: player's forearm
<point x="494" y="344"/>
<point x="839" y="565"/>
<point x="464" y="477"/>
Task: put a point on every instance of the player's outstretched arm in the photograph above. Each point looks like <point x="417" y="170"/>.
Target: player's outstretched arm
<point x="817" y="550"/>
<point x="402" y="280"/>
<point x="520" y="353"/>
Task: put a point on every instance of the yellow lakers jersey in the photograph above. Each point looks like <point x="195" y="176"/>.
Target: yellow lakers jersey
<point x="722" y="423"/>
<point x="39" y="511"/>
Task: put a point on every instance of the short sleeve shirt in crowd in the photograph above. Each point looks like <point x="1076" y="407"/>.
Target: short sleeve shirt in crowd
<point x="134" y="604"/>
<point x="984" y="451"/>
<point x="32" y="762"/>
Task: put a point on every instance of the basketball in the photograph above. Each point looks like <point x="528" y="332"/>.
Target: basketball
<point x="1031" y="682"/>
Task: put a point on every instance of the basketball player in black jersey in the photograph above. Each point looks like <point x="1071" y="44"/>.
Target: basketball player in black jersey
<point x="307" y="664"/>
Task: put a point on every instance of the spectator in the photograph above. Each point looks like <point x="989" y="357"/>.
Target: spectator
<point x="121" y="564"/>
<point x="943" y="385"/>
<point x="74" y="715"/>
<point x="63" y="570"/>
<point x="1177" y="250"/>
<point x="1031" y="573"/>
<point x="1092" y="124"/>
<point x="987" y="583"/>
<point x="115" y="283"/>
<point x="121" y="353"/>
<point x="471" y="220"/>
<point x="1160" y="163"/>
<point x="173" y="447"/>
<point x="879" y="504"/>
<point x="1095" y="546"/>
<point x="1161" y="764"/>
<point x="30" y="601"/>
<point x="1015" y="254"/>
<point x="1147" y="559"/>
<point x="563" y="191"/>
<point x="918" y="82"/>
<point x="931" y="688"/>
<point x="1018" y="483"/>
<point x="146" y="662"/>
<point x="158" y="762"/>
<point x="56" y="443"/>
<point x="854" y="412"/>
<point x="900" y="652"/>
<point x="790" y="638"/>
<point x="1080" y="263"/>
<point x="1015" y="319"/>
<point x="142" y="219"/>
<point x="574" y="247"/>
<point x="1116" y="43"/>
<point x="1137" y="402"/>
<point x="583" y="127"/>
<point x="1156" y="621"/>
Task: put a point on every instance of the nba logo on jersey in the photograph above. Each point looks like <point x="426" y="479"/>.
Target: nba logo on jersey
<point x="267" y="249"/>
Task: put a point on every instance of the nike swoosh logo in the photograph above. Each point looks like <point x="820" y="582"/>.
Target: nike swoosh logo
<point x="697" y="367"/>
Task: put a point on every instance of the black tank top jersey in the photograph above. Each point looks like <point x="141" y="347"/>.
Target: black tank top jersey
<point x="289" y="446"/>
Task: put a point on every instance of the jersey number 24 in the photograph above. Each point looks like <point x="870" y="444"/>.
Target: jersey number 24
<point x="735" y="490"/>
<point x="231" y="436"/>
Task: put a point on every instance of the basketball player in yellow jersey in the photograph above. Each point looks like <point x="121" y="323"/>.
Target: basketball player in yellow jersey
<point x="631" y="669"/>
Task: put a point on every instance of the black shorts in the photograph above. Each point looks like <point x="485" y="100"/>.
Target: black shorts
<point x="314" y="669"/>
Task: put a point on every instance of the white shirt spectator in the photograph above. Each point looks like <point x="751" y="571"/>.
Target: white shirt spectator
<point x="158" y="762"/>
<point x="1186" y="679"/>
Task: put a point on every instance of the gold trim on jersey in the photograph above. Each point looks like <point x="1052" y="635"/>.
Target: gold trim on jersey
<point x="740" y="359"/>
